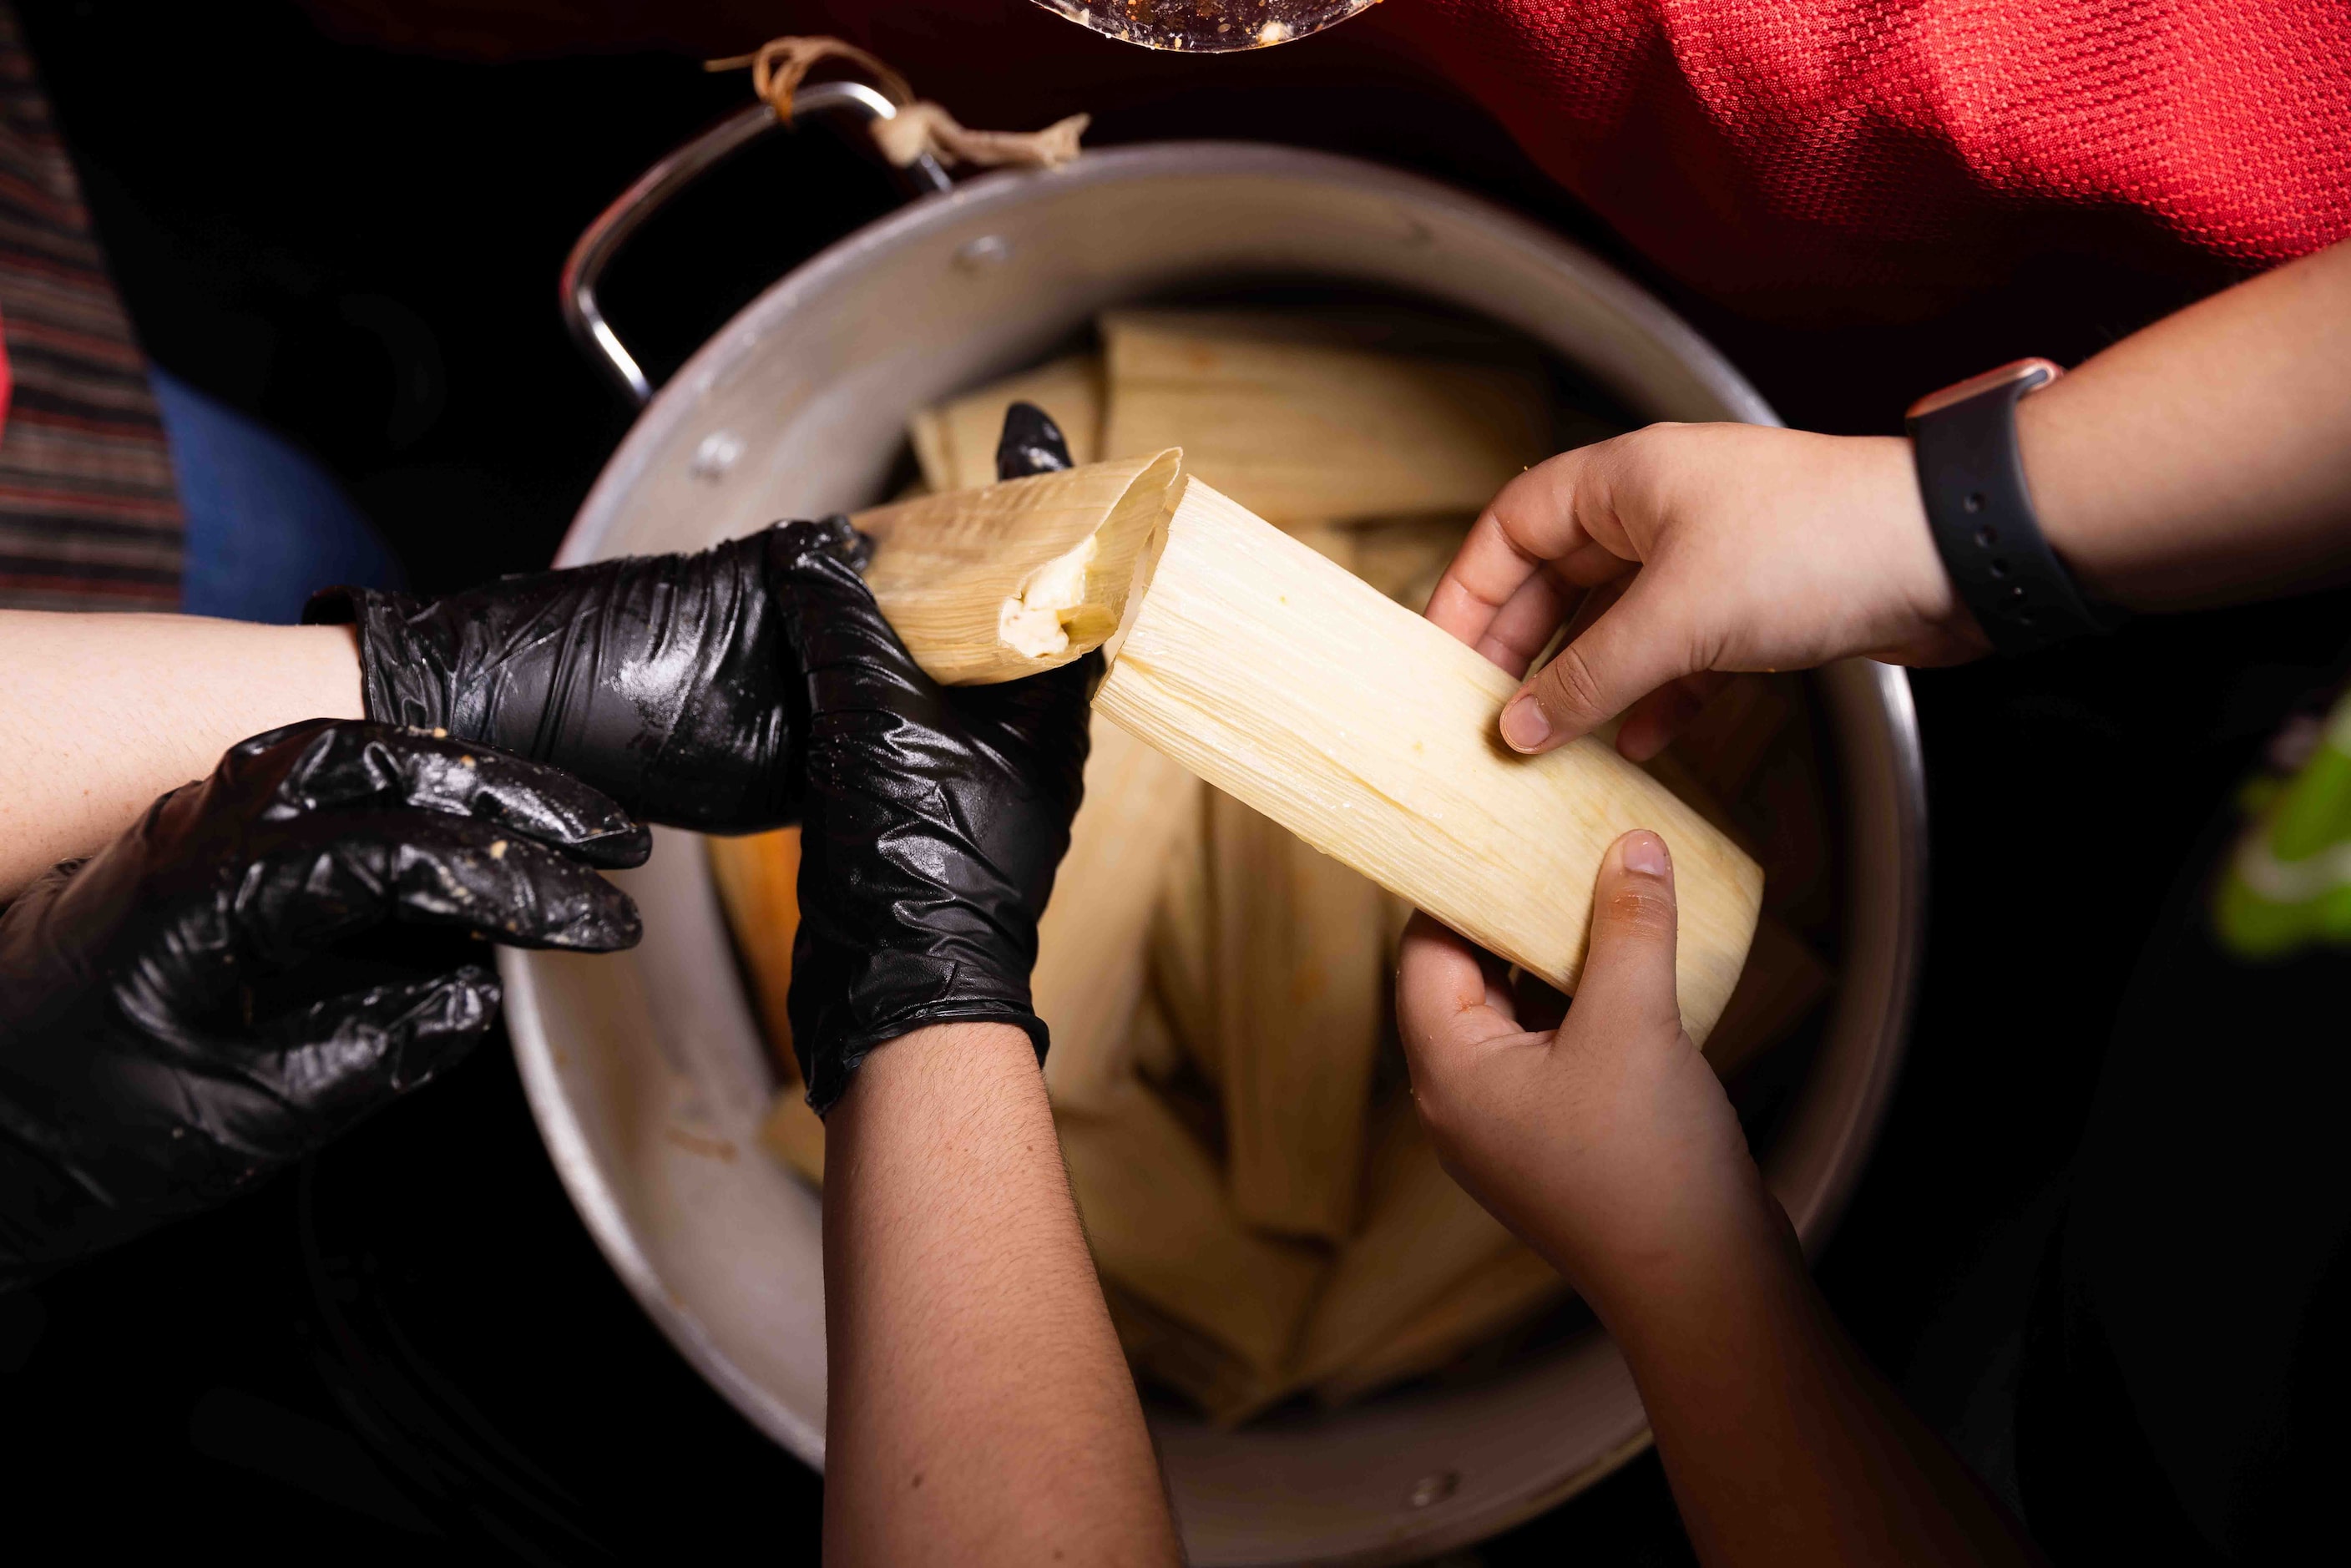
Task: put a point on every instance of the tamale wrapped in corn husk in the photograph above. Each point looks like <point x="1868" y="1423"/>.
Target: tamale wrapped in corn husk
<point x="1293" y="685"/>
<point x="1676" y="774"/>
<point x="1784" y="979"/>
<point x="1329" y="540"/>
<point x="1724" y="743"/>
<point x="757" y="877"/>
<point x="1298" y="990"/>
<point x="794" y="1133"/>
<point x="1420" y="1233"/>
<point x="955" y="441"/>
<point x="1152" y="1046"/>
<point x="1166" y="1352"/>
<point x="1092" y="942"/>
<point x="1163" y="1230"/>
<point x="1513" y="1287"/>
<point x="1794" y="843"/>
<point x="1183" y="946"/>
<point x="1299" y="430"/>
<point x="1403" y="556"/>
<point x="1017" y="578"/>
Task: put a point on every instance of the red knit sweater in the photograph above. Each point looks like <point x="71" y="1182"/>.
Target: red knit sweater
<point x="1792" y="148"/>
<point x="1859" y="157"/>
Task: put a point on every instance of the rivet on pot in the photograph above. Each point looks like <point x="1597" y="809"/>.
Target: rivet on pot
<point x="1434" y="1489"/>
<point x="987" y="250"/>
<point x="716" y="455"/>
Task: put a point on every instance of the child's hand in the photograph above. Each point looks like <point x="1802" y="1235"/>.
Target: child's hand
<point x="1608" y="1143"/>
<point x="1714" y="548"/>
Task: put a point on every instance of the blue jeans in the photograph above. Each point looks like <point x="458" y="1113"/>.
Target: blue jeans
<point x="266" y="523"/>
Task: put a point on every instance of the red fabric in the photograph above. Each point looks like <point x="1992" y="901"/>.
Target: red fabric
<point x="1799" y="149"/>
<point x="1858" y="158"/>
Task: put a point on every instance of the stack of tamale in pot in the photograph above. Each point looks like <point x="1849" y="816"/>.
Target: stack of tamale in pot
<point x="1267" y="1216"/>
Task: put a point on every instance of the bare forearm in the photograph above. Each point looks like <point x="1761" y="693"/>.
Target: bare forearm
<point x="1782" y="1444"/>
<point x="979" y="1409"/>
<point x="100" y="714"/>
<point x="2207" y="459"/>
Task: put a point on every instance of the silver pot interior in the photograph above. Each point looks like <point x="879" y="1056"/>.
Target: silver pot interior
<point x="646" y="1071"/>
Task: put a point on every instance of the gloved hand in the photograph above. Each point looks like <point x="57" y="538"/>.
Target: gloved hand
<point x="936" y="816"/>
<point x="663" y="681"/>
<point x="265" y="958"/>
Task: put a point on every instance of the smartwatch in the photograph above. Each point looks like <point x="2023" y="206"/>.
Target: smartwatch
<point x="1963" y="439"/>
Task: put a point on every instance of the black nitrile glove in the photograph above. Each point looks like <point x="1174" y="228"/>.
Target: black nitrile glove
<point x="663" y="681"/>
<point x="1031" y="443"/>
<point x="265" y="958"/>
<point x="936" y="816"/>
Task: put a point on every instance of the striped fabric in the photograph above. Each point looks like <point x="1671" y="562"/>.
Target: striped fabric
<point x="89" y="517"/>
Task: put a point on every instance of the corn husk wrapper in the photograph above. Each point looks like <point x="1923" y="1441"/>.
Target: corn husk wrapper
<point x="1163" y="1230"/>
<point x="1092" y="945"/>
<point x="1509" y="1290"/>
<point x="1420" y="1234"/>
<point x="1300" y="431"/>
<point x="1298" y="978"/>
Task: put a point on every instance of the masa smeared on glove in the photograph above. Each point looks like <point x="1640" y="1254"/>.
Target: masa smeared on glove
<point x="936" y="817"/>
<point x="666" y="681"/>
<point x="267" y="955"/>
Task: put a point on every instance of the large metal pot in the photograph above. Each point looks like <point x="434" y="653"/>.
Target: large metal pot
<point x="646" y="1071"/>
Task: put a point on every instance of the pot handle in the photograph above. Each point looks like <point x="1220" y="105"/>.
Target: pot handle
<point x="604" y="238"/>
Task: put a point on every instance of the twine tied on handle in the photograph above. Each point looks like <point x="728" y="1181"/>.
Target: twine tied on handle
<point x="780" y="65"/>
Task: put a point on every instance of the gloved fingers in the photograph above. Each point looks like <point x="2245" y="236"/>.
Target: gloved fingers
<point x="1031" y="443"/>
<point x="341" y="1057"/>
<point x="325" y="765"/>
<point x="856" y="669"/>
<point x="337" y="876"/>
<point x="1037" y="725"/>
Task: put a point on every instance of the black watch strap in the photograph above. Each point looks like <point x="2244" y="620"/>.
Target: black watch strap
<point x="1972" y="481"/>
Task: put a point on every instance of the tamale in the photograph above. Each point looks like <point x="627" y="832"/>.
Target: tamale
<point x="1783" y="981"/>
<point x="1724" y="743"/>
<point x="1163" y="1229"/>
<point x="1403" y="556"/>
<point x="793" y="1133"/>
<point x="1794" y="842"/>
<point x="1512" y="1287"/>
<point x="955" y="441"/>
<point x="1020" y="577"/>
<point x="1166" y="1352"/>
<point x="1152" y="1046"/>
<point x="758" y="877"/>
<point x="1183" y="946"/>
<point x="1290" y="684"/>
<point x="1299" y="982"/>
<point x="1420" y="1233"/>
<point x="1090" y="944"/>
<point x="1299" y="431"/>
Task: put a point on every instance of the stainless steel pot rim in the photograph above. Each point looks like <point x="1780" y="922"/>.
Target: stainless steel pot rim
<point x="1005" y="190"/>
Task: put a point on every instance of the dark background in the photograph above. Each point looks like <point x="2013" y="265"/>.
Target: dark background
<point x="413" y="1345"/>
